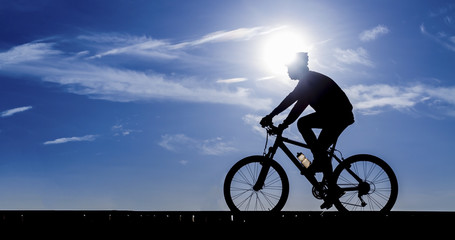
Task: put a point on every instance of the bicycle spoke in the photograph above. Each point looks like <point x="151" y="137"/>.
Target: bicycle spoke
<point x="250" y="173"/>
<point x="240" y="194"/>
<point x="247" y="199"/>
<point x="268" y="200"/>
<point x="374" y="202"/>
<point x="273" y="181"/>
<point x="245" y="178"/>
<point x="370" y="171"/>
<point x="382" y="196"/>
<point x="378" y="175"/>
<point x="359" y="196"/>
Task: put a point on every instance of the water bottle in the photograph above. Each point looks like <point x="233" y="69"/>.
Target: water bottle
<point x="305" y="162"/>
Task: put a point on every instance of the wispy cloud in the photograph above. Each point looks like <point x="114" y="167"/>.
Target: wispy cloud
<point x="83" y="76"/>
<point x="177" y="142"/>
<point x="71" y="139"/>
<point x="374" y="99"/>
<point x="232" y="80"/>
<point x="372" y="34"/>
<point x="354" y="56"/>
<point x="121" y="130"/>
<point x="172" y="141"/>
<point x="216" y="146"/>
<point x="371" y="99"/>
<point x="26" y="53"/>
<point x="148" y="47"/>
<point x="439" y="26"/>
<point x="165" y="49"/>
<point x="442" y="38"/>
<point x="128" y="85"/>
<point x="10" y="112"/>
<point x="253" y="121"/>
<point x="231" y="35"/>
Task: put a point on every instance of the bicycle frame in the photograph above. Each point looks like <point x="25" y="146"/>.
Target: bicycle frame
<point x="280" y="143"/>
<point x="352" y="183"/>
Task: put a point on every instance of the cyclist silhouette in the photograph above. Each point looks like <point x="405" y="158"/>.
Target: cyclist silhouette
<point x="333" y="110"/>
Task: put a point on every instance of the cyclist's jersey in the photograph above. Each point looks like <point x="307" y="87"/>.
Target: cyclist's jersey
<point x="322" y="94"/>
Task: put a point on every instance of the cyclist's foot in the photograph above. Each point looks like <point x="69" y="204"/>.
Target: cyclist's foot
<point x="328" y="201"/>
<point x="327" y="204"/>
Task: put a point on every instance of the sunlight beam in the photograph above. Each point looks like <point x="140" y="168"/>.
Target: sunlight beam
<point x="280" y="48"/>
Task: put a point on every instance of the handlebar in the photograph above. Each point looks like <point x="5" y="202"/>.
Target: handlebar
<point x="273" y="130"/>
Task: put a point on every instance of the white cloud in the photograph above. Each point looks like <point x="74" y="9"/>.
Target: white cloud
<point x="354" y="56"/>
<point x="113" y="38"/>
<point x="128" y="85"/>
<point x="172" y="142"/>
<point x="216" y="146"/>
<point x="109" y="83"/>
<point x="149" y="47"/>
<point x="183" y="162"/>
<point x="374" y="99"/>
<point x="232" y="80"/>
<point x="178" y="142"/>
<point x="26" y="53"/>
<point x="232" y="35"/>
<point x="445" y="94"/>
<point x="372" y="34"/>
<point x="164" y="49"/>
<point x="441" y="38"/>
<point x="120" y="130"/>
<point x="10" y="112"/>
<point x="253" y="121"/>
<point x="71" y="139"/>
<point x="369" y="99"/>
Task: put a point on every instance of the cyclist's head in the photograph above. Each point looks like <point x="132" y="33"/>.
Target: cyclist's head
<point x="298" y="67"/>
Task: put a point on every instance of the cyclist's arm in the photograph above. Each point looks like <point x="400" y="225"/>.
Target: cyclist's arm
<point x="287" y="101"/>
<point x="298" y="108"/>
<point x="296" y="95"/>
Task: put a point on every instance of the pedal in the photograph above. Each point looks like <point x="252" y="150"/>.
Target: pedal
<point x="326" y="205"/>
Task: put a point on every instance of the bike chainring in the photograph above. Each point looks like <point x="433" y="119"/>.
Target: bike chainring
<point x="318" y="194"/>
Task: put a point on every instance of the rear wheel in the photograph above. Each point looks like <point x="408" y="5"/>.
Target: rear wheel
<point x="238" y="186"/>
<point x="365" y="183"/>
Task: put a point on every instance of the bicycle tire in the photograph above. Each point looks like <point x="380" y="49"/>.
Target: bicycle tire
<point x="381" y="193"/>
<point x="239" y="182"/>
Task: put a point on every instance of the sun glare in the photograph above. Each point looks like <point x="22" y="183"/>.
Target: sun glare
<point x="280" y="48"/>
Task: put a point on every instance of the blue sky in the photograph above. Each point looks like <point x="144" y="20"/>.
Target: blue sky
<point x="145" y="105"/>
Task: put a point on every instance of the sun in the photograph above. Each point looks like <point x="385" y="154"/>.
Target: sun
<point x="280" y="48"/>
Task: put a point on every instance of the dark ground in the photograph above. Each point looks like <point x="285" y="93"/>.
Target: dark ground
<point x="207" y="224"/>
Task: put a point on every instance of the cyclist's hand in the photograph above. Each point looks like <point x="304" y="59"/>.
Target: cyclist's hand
<point x="266" y="121"/>
<point x="272" y="130"/>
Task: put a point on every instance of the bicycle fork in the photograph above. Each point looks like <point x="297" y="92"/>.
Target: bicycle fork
<point x="262" y="175"/>
<point x="265" y="167"/>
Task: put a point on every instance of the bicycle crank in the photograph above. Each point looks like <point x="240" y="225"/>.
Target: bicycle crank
<point x="362" y="203"/>
<point x="320" y="194"/>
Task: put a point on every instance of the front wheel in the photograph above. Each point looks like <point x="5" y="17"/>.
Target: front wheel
<point x="240" y="180"/>
<point x="365" y="183"/>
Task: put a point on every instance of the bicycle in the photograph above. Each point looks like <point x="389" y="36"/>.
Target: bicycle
<point x="360" y="182"/>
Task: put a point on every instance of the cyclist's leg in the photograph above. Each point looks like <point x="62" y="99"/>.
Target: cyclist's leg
<point x="329" y="135"/>
<point x="305" y="125"/>
<point x="333" y="129"/>
<point x="326" y="138"/>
